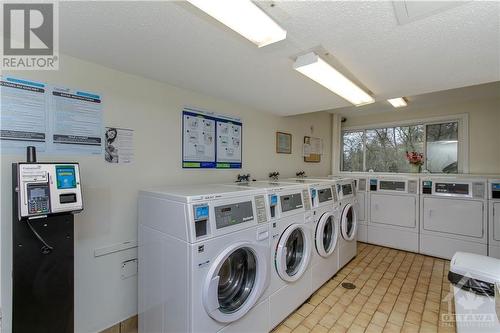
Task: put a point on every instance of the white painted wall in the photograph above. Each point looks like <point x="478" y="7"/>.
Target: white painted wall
<point x="153" y="110"/>
<point x="484" y="124"/>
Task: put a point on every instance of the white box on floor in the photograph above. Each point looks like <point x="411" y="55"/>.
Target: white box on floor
<point x="474" y="278"/>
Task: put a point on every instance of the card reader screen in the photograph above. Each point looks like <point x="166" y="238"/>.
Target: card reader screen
<point x="65" y="176"/>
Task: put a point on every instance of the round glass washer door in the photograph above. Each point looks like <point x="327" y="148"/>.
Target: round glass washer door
<point x="326" y="235"/>
<point x="293" y="252"/>
<point x="349" y="222"/>
<point x="235" y="281"/>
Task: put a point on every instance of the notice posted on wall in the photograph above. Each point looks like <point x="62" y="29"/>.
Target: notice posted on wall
<point x="119" y="145"/>
<point x="210" y="140"/>
<point x="228" y="144"/>
<point x="198" y="140"/>
<point x="24" y="116"/>
<point x="53" y="119"/>
<point x="77" y="121"/>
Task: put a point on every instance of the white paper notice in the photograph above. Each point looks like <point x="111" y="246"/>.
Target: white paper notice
<point x="306" y="150"/>
<point x="199" y="138"/>
<point x="316" y="146"/>
<point x="77" y="122"/>
<point x="24" y="116"/>
<point x="228" y="142"/>
<point x="119" y="145"/>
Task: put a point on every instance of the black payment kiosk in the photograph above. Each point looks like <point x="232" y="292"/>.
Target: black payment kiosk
<point x="45" y="197"/>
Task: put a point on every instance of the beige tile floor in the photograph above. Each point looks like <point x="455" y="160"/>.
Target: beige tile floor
<point x="396" y="291"/>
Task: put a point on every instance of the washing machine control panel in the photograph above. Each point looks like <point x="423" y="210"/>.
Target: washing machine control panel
<point x="427" y="187"/>
<point x="314" y="195"/>
<point x="273" y="204"/>
<point x="307" y="199"/>
<point x="291" y="202"/>
<point x="459" y="188"/>
<point x="201" y="218"/>
<point x="325" y="194"/>
<point x="495" y="190"/>
<point x="452" y="188"/>
<point x="233" y="214"/>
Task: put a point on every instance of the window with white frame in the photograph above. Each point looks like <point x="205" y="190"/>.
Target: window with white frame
<point x="442" y="141"/>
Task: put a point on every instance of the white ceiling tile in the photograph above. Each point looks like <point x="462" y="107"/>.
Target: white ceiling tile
<point x="175" y="43"/>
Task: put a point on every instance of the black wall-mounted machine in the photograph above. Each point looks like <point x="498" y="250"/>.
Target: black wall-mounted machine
<point x="45" y="197"/>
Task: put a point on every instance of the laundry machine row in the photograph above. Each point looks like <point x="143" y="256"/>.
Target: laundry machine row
<point x="344" y="190"/>
<point x="436" y="215"/>
<point x="233" y="258"/>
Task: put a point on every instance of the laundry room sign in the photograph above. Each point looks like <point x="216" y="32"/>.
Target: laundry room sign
<point x="211" y="140"/>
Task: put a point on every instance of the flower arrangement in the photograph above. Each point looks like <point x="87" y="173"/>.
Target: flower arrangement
<point x="415" y="158"/>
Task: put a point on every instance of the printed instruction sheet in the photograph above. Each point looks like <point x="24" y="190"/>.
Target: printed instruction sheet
<point x="77" y="121"/>
<point x="210" y="140"/>
<point x="24" y="116"/>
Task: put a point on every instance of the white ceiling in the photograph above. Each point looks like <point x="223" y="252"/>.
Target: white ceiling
<point x="175" y="43"/>
<point x="428" y="100"/>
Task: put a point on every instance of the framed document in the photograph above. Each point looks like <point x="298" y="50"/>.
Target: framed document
<point x="283" y="143"/>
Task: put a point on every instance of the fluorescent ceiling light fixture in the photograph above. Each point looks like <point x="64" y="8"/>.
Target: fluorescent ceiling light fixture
<point x="244" y="17"/>
<point x="315" y="68"/>
<point x="398" y="102"/>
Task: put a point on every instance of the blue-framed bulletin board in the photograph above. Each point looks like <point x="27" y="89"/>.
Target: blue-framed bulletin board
<point x="211" y="140"/>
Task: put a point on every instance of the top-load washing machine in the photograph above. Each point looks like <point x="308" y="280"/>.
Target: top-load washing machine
<point x="290" y="216"/>
<point x="325" y="229"/>
<point x="394" y="212"/>
<point x="348" y="221"/>
<point x="453" y="216"/>
<point x="204" y="260"/>
<point x="494" y="218"/>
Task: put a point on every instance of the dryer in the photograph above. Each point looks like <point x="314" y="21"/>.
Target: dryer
<point x="394" y="212"/>
<point x="289" y="208"/>
<point x="348" y="220"/>
<point x="453" y="216"/>
<point x="204" y="260"/>
<point x="324" y="229"/>
<point x="494" y="218"/>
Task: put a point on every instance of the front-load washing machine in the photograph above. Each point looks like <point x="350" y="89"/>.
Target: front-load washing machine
<point x="361" y="182"/>
<point x="494" y="218"/>
<point x="203" y="259"/>
<point x="394" y="209"/>
<point x="325" y="229"/>
<point x="348" y="221"/>
<point x="290" y="217"/>
<point x="453" y="216"/>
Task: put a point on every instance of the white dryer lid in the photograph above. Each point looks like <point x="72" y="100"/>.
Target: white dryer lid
<point x="476" y="266"/>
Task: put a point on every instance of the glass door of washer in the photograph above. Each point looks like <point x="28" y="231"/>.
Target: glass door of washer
<point x="235" y="282"/>
<point x="349" y="222"/>
<point x="293" y="252"/>
<point x="326" y="235"/>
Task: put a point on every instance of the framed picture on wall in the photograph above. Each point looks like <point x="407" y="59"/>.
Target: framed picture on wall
<point x="283" y="143"/>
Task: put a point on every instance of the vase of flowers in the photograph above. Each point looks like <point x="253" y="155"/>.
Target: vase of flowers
<point x="416" y="160"/>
